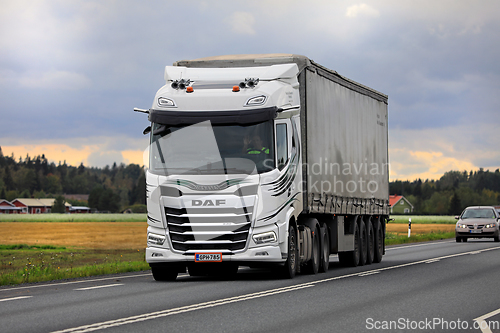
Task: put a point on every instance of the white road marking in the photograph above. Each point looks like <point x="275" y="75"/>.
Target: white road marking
<point x="483" y="325"/>
<point x="73" y="282"/>
<point x="199" y="306"/>
<point x="103" y="286"/>
<point x="431" y="261"/>
<point x="416" y="245"/>
<point x="369" y="273"/>
<point x="183" y="309"/>
<point x="14" y="298"/>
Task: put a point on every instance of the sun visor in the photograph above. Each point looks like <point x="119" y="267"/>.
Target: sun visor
<point x="238" y="117"/>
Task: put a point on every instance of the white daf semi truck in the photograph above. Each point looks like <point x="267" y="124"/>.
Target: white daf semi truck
<point x="264" y="161"/>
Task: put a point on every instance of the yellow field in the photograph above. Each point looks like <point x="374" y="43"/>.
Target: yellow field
<point x="419" y="228"/>
<point x="121" y="235"/>
<point x="97" y="235"/>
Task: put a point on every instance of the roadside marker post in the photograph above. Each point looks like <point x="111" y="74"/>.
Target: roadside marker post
<point x="409" y="227"/>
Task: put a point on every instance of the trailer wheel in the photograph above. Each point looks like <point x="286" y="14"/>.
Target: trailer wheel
<point x="379" y="242"/>
<point x="363" y="240"/>
<point x="351" y="258"/>
<point x="163" y="274"/>
<point x="312" y="265"/>
<point x="289" y="269"/>
<point x="325" y="250"/>
<point x="370" y="251"/>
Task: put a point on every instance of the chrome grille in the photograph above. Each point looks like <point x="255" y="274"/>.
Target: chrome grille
<point x="209" y="228"/>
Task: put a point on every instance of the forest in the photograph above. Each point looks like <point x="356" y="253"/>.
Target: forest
<point x="119" y="187"/>
<point x="112" y="189"/>
<point x="454" y="191"/>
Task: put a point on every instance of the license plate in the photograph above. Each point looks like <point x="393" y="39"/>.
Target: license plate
<point x="208" y="257"/>
<point x="476" y="231"/>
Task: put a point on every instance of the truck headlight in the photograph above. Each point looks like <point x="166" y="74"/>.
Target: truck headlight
<point x="155" y="239"/>
<point x="266" y="237"/>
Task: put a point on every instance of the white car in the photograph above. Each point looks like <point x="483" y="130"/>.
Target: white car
<point x="478" y="222"/>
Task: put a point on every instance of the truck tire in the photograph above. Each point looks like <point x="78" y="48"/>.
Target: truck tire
<point x="351" y="258"/>
<point x="370" y="251"/>
<point x="379" y="242"/>
<point x="163" y="274"/>
<point x="312" y="266"/>
<point x="325" y="250"/>
<point x="289" y="269"/>
<point x="363" y="243"/>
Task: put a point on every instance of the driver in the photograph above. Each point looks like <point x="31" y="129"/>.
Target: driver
<point x="254" y="146"/>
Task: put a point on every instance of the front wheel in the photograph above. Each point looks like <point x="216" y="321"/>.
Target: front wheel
<point x="290" y="267"/>
<point x="163" y="274"/>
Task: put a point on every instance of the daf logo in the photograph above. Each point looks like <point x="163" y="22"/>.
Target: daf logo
<point x="208" y="202"/>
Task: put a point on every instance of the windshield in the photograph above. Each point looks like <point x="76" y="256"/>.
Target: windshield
<point x="479" y="213"/>
<point x="204" y="148"/>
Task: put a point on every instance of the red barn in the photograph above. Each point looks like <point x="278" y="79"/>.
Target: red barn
<point x="8" y="208"/>
<point x="36" y="206"/>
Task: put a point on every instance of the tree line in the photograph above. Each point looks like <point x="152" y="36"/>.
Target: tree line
<point x="118" y="187"/>
<point x="454" y="191"/>
<point x="111" y="189"/>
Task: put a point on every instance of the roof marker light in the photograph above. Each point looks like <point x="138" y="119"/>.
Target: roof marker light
<point x="189" y="89"/>
<point x="236" y="88"/>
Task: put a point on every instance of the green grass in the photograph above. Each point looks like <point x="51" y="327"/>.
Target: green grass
<point x="73" y="217"/>
<point x="394" y="239"/>
<point x="26" y="264"/>
<point x="424" y="219"/>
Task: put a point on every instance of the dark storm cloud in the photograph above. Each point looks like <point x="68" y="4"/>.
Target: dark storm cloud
<point x="72" y="70"/>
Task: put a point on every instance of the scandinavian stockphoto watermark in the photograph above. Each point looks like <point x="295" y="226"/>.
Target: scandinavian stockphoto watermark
<point x="332" y="177"/>
<point x="194" y="150"/>
<point x="429" y="324"/>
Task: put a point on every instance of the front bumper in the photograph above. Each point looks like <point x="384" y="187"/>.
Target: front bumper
<point x="477" y="233"/>
<point x="267" y="254"/>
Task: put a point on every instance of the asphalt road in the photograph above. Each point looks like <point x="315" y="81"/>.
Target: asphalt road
<point x="428" y="287"/>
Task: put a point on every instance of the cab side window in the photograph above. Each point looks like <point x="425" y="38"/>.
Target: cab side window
<point x="281" y="146"/>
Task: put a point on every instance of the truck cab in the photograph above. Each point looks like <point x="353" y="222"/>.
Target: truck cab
<point x="224" y="166"/>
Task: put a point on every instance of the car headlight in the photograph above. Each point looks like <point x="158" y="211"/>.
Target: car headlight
<point x="266" y="237"/>
<point x="460" y="225"/>
<point x="491" y="225"/>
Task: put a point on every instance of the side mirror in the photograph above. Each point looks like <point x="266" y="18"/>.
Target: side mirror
<point x="146" y="130"/>
<point x="457" y="217"/>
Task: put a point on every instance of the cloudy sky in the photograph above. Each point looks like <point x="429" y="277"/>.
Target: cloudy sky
<point x="71" y="72"/>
